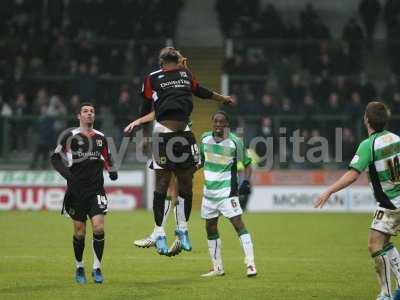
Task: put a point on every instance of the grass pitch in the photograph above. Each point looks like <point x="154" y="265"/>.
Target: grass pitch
<point x="298" y="256"/>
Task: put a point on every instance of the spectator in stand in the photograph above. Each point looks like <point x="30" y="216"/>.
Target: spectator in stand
<point x="342" y="89"/>
<point x="321" y="86"/>
<point x="323" y="64"/>
<point x="46" y="139"/>
<point x="5" y="109"/>
<point x="123" y="113"/>
<point x="286" y="106"/>
<point x="354" y="107"/>
<point x="249" y="105"/>
<point x="366" y="88"/>
<point x="342" y="60"/>
<point x="320" y="31"/>
<point x="60" y="55"/>
<point x="74" y="104"/>
<point x="308" y="18"/>
<point x="273" y="26"/>
<point x="390" y="88"/>
<point x="309" y="108"/>
<point x="20" y="126"/>
<point x="369" y="11"/>
<point x="354" y="36"/>
<point x="266" y="131"/>
<point x="268" y="105"/>
<point x="41" y="99"/>
<point x="395" y="103"/>
<point x="349" y="146"/>
<point x="296" y="90"/>
<point x="333" y="107"/>
<point x="390" y="15"/>
<point x="85" y="83"/>
<point x="58" y="111"/>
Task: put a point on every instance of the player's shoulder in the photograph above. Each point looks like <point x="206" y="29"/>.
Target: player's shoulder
<point x="98" y="132"/>
<point x="366" y="143"/>
<point x="235" y="138"/>
<point x="206" y="135"/>
<point x="155" y="73"/>
<point x="387" y="137"/>
<point x="99" y="135"/>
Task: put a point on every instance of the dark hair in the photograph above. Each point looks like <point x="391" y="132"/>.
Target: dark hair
<point x="168" y="55"/>
<point x="84" y="104"/>
<point x="221" y="112"/>
<point x="377" y="114"/>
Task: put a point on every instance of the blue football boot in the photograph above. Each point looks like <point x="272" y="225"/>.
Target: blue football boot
<point x="183" y="236"/>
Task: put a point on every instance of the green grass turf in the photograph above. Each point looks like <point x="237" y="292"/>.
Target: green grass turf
<point x="298" y="256"/>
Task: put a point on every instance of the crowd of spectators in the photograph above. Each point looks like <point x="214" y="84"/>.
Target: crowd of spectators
<point x="300" y="72"/>
<point x="56" y="54"/>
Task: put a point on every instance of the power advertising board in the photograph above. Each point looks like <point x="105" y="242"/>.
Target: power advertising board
<point x="38" y="190"/>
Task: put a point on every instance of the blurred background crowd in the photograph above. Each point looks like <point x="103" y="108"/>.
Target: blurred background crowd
<point x="295" y="74"/>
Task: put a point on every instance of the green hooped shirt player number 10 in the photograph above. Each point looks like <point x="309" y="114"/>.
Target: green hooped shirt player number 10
<point x="380" y="153"/>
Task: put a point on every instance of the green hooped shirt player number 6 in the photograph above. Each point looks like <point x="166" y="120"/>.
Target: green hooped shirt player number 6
<point x="220" y="165"/>
<point x="380" y="153"/>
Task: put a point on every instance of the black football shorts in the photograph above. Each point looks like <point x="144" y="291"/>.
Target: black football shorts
<point x="174" y="150"/>
<point x="79" y="208"/>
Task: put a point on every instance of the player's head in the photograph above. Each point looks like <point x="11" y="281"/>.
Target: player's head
<point x="86" y="114"/>
<point x="220" y="122"/>
<point x="171" y="56"/>
<point x="376" y="115"/>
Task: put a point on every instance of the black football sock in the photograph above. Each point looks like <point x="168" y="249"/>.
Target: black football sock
<point x="98" y="247"/>
<point x="79" y="245"/>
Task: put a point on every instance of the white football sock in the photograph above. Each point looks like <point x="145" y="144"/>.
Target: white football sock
<point x="394" y="259"/>
<point x="382" y="268"/>
<point x="245" y="240"/>
<point x="180" y="217"/>
<point x="214" y="247"/>
<point x="79" y="264"/>
<point x="158" y="231"/>
<point x="167" y="208"/>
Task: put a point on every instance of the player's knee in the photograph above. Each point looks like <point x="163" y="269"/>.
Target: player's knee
<point x="374" y="245"/>
<point x="79" y="230"/>
<point x="238" y="224"/>
<point x="162" y="185"/>
<point x="98" y="229"/>
<point x="211" y="228"/>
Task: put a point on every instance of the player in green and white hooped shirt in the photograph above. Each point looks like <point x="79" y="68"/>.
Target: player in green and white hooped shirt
<point x="220" y="151"/>
<point x="379" y="154"/>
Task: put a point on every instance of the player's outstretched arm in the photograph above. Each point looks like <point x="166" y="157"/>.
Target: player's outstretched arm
<point x="143" y="120"/>
<point x="347" y="179"/>
<point x="205" y="93"/>
<point x="221" y="98"/>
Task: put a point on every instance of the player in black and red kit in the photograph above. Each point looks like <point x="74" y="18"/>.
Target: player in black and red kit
<point x="169" y="92"/>
<point x="80" y="157"/>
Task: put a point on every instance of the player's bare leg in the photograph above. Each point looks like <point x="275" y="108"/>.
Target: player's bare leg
<point x="184" y="205"/>
<point x="386" y="258"/>
<point x="247" y="244"/>
<point x="150" y="240"/>
<point x="376" y="242"/>
<point x="214" y="248"/>
<point x="98" y="247"/>
<point x="394" y="258"/>
<point x="79" y="246"/>
<point x="163" y="178"/>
